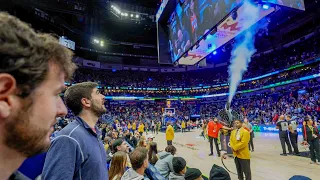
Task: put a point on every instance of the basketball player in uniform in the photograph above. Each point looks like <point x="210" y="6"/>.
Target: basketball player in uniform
<point x="282" y="125"/>
<point x="293" y="134"/>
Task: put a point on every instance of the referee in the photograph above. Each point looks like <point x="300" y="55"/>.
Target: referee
<point x="282" y="125"/>
<point x="293" y="134"/>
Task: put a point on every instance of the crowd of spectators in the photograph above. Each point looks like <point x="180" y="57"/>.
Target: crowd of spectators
<point x="133" y="154"/>
<point x="299" y="53"/>
<point x="264" y="107"/>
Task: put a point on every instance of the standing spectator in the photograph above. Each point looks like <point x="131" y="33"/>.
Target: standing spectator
<point x="183" y="126"/>
<point x="153" y="153"/>
<point x="169" y="134"/>
<point x="164" y="164"/>
<point x="129" y="127"/>
<point x="311" y="136"/>
<point x="239" y="142"/>
<point x="33" y="70"/>
<point x="139" y="160"/>
<point x="118" y="165"/>
<point x="141" y="129"/>
<point x="77" y="152"/>
<point x="153" y="126"/>
<point x="158" y="127"/>
<point x="134" y="126"/>
<point x="249" y="127"/>
<point x="179" y="169"/>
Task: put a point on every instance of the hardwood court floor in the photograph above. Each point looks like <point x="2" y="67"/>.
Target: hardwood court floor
<point x="266" y="162"/>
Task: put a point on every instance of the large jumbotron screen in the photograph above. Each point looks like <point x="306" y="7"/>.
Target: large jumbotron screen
<point x="187" y="23"/>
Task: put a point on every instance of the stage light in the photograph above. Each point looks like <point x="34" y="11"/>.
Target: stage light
<point x="122" y="14"/>
<point x="214" y="52"/>
<point x="113" y="70"/>
<point x="137" y="16"/>
<point x="126" y="14"/>
<point x="265" y="6"/>
<point x="131" y="15"/>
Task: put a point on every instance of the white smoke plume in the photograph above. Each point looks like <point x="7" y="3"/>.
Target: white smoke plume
<point x="243" y="48"/>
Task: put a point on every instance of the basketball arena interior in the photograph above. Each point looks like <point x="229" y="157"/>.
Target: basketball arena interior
<point x="191" y="89"/>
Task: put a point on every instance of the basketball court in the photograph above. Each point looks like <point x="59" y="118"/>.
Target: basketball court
<point x="266" y="162"/>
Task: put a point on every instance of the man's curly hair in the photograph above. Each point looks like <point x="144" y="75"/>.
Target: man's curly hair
<point x="26" y="55"/>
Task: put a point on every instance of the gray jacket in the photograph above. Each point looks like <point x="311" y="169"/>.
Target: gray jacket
<point x="175" y="176"/>
<point x="131" y="174"/>
<point x="164" y="164"/>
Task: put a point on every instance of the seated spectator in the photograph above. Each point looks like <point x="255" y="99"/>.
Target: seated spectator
<point x="218" y="172"/>
<point x="134" y="139"/>
<point x="152" y="154"/>
<point x="142" y="142"/>
<point x="118" y="165"/>
<point x="164" y="164"/>
<point x="139" y="160"/>
<point x="179" y="169"/>
<point x="193" y="174"/>
<point x="107" y="144"/>
<point x="119" y="145"/>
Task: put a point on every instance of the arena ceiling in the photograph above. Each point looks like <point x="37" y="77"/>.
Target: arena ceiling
<point x="84" y="20"/>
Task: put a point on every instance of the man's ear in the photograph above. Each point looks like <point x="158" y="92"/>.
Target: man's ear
<point x="7" y="87"/>
<point x="146" y="163"/>
<point x="86" y="102"/>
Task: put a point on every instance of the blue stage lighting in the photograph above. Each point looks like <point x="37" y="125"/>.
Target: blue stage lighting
<point x="113" y="70"/>
<point x="214" y="52"/>
<point x="265" y="6"/>
<point x="150" y="79"/>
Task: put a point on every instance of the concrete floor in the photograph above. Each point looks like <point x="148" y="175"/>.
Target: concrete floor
<point x="266" y="162"/>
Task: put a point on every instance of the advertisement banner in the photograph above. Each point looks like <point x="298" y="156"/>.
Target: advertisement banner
<point x="273" y="129"/>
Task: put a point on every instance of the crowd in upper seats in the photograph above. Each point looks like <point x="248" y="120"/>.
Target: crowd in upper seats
<point x="301" y="52"/>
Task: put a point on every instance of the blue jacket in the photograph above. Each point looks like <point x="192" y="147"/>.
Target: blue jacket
<point x="76" y="153"/>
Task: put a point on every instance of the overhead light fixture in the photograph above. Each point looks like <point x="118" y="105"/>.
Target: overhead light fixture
<point x="122" y="14"/>
<point x="131" y="15"/>
<point x="265" y="6"/>
<point x="137" y="16"/>
<point x="126" y="14"/>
